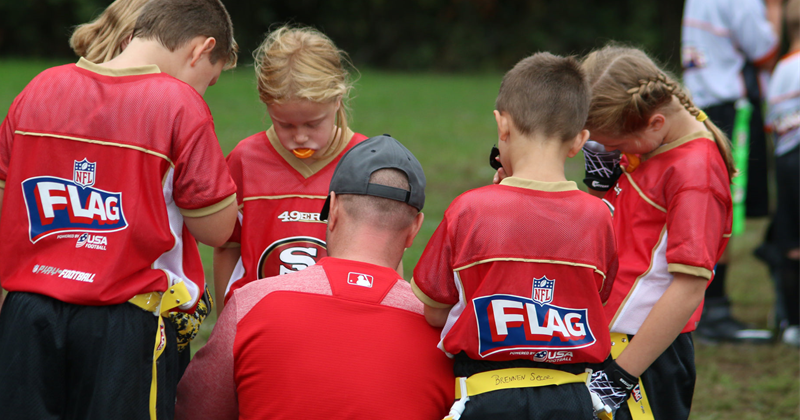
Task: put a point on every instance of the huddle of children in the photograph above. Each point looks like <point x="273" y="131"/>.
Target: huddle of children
<point x="526" y="277"/>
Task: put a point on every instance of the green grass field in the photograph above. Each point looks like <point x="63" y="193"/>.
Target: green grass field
<point x="446" y="121"/>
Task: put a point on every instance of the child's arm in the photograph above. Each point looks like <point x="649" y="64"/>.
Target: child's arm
<point x="665" y="321"/>
<point x="214" y="229"/>
<point x="225" y="260"/>
<point x="436" y="317"/>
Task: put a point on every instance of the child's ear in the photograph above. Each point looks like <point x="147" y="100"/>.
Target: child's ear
<point x="578" y="142"/>
<point x="503" y="128"/>
<point x="202" y="47"/>
<point x="656" y="122"/>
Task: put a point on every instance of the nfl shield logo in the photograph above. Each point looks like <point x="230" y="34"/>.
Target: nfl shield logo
<point x="83" y="174"/>
<point x="543" y="290"/>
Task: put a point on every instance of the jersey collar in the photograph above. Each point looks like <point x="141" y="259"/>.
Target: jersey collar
<point x="540" y="185"/>
<point x="129" y="71"/>
<point x="300" y="165"/>
<point x="681" y="141"/>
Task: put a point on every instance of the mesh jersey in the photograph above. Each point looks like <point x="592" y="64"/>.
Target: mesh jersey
<point x="783" y="97"/>
<point x="98" y="173"/>
<point x="279" y="228"/>
<point x="717" y="37"/>
<point x="340" y="340"/>
<point x="522" y="285"/>
<point x="671" y="215"/>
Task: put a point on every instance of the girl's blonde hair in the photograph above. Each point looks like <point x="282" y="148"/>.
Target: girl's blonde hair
<point x="101" y="39"/>
<point x="628" y="88"/>
<point x="303" y="63"/>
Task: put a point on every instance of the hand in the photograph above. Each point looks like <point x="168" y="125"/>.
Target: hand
<point x="613" y="385"/>
<point x="602" y="167"/>
<point x="499" y="176"/>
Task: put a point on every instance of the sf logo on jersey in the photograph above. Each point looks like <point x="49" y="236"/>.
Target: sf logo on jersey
<point x="509" y="323"/>
<point x="290" y="254"/>
<point x="57" y="205"/>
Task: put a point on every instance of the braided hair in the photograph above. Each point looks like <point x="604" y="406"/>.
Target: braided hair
<point x="628" y="88"/>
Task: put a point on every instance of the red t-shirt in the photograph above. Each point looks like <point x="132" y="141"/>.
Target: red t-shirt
<point x="672" y="214"/>
<point x="99" y="168"/>
<point x="339" y="340"/>
<point x="280" y="197"/>
<point x="526" y="267"/>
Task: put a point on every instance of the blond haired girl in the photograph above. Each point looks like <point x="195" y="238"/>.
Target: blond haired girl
<point x="672" y="218"/>
<point x="282" y="174"/>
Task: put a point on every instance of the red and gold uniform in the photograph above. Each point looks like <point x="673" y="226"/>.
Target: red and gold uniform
<point x="526" y="267"/>
<point x="672" y="214"/>
<point x="280" y="197"/>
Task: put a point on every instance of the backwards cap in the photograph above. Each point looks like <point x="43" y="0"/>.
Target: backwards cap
<point x="382" y="152"/>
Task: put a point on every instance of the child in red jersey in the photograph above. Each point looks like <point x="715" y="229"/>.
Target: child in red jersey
<point x="672" y="218"/>
<point x="282" y="175"/>
<point x="517" y="273"/>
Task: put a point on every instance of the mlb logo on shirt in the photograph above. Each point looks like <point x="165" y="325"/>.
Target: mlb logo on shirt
<point x="83" y="175"/>
<point x="543" y="290"/>
<point x="359" y="279"/>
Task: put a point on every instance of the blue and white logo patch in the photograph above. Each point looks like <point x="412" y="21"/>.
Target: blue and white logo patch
<point x="57" y="205"/>
<point x="83" y="174"/>
<point x="509" y="323"/>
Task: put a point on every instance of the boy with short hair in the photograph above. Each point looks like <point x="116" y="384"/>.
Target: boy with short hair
<point x="783" y="118"/>
<point x="517" y="273"/>
<point x="108" y="174"/>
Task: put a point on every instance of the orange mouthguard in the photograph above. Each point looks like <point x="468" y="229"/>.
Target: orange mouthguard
<point x="303" y="153"/>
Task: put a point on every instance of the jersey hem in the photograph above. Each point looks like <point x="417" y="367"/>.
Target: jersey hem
<point x="205" y="211"/>
<point x="688" y="269"/>
<point x="425" y="299"/>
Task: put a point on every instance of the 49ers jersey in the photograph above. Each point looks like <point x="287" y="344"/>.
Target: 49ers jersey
<point x="280" y="197"/>
<point x="522" y="284"/>
<point x="98" y="174"/>
<point x="672" y="214"/>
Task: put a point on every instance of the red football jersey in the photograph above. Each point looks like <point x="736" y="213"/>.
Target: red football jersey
<point x="99" y="168"/>
<point x="672" y="214"/>
<point x="340" y="340"/>
<point x="280" y="197"/>
<point x="526" y="267"/>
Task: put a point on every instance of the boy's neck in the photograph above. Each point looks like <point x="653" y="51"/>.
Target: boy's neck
<point x="141" y="52"/>
<point x="536" y="158"/>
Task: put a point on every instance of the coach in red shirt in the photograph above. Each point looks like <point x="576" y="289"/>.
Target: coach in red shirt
<point x="345" y="338"/>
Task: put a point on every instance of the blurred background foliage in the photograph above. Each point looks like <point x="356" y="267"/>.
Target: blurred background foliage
<point x="428" y="35"/>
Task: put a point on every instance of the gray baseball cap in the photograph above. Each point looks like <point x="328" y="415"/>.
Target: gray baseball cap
<point x="381" y="152"/>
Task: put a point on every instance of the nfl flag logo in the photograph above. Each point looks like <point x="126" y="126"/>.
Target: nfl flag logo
<point x="543" y="290"/>
<point x="83" y="174"/>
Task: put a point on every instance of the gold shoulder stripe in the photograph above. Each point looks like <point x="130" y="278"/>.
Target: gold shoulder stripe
<point x="641" y="194"/>
<point x="205" y="211"/>
<point x="2" y="184"/>
<point x="424" y="298"/>
<point x="727" y="235"/>
<point x="488" y="260"/>
<point x="688" y="269"/>
<point x="279" y="197"/>
<point x="100" y="142"/>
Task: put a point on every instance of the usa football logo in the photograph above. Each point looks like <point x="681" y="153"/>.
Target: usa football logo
<point x="82" y="240"/>
<point x="543" y="290"/>
<point x="83" y="174"/>
<point x="508" y="323"/>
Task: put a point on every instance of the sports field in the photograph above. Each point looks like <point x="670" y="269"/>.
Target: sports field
<point x="447" y="122"/>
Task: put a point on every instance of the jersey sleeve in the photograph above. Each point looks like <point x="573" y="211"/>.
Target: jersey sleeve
<point x="611" y="261"/>
<point x="234" y="161"/>
<point x="202" y="181"/>
<point x="752" y="31"/>
<point x="6" y="140"/>
<point x="208" y="388"/>
<point x="696" y="225"/>
<point x="433" y="281"/>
